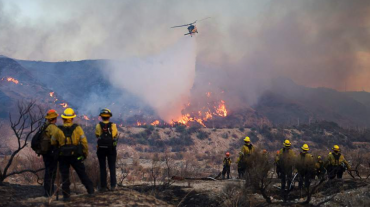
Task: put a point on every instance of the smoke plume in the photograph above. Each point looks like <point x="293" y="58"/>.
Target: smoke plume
<point x="239" y="50"/>
<point x="163" y="81"/>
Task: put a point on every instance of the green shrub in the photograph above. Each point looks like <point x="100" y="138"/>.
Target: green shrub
<point x="180" y="128"/>
<point x="202" y="135"/>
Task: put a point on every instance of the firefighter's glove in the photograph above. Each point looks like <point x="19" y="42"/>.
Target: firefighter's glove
<point x="81" y="158"/>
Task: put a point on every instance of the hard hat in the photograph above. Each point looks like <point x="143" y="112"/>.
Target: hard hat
<point x="247" y="139"/>
<point x="319" y="157"/>
<point x="51" y="114"/>
<point x="264" y="151"/>
<point x="227" y="154"/>
<point x="287" y="143"/>
<point x="305" y="147"/>
<point x="105" y="113"/>
<point x="336" y="148"/>
<point x="69" y="113"/>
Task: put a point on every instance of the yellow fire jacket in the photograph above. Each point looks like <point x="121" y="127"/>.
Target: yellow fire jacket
<point x="78" y="135"/>
<point x="51" y="130"/>
<point x="245" y="152"/>
<point x="305" y="161"/>
<point x="286" y="157"/>
<point x="227" y="161"/>
<point x="98" y="130"/>
<point x="336" y="159"/>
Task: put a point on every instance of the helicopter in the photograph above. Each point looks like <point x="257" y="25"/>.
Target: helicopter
<point x="191" y="27"/>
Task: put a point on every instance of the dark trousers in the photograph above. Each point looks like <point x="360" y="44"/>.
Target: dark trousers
<point x="286" y="176"/>
<point x="50" y="173"/>
<point x="226" y="170"/>
<point x="111" y="155"/>
<point x="304" y="176"/>
<point x="79" y="167"/>
<point x="335" y="171"/>
<point x="278" y="171"/>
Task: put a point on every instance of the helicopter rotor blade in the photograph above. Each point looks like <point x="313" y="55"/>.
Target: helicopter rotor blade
<point x="203" y="19"/>
<point x="181" y="25"/>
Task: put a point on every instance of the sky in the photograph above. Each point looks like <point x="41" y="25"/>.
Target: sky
<point x="315" y="43"/>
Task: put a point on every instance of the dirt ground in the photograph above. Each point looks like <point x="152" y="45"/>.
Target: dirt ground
<point x="190" y="193"/>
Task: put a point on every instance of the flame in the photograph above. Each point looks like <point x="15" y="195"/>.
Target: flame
<point x="86" y="117"/>
<point x="51" y="94"/>
<point x="139" y="123"/>
<point x="64" y="105"/>
<point x="155" y="123"/>
<point x="221" y="110"/>
<point x="208" y="115"/>
<point x="208" y="94"/>
<point x="185" y="119"/>
<point x="203" y="115"/>
<point x="10" y="79"/>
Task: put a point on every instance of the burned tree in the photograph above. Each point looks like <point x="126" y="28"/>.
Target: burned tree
<point x="29" y="119"/>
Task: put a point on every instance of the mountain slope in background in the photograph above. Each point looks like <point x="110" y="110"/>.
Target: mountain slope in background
<point x="18" y="84"/>
<point x="84" y="86"/>
<point x="287" y="102"/>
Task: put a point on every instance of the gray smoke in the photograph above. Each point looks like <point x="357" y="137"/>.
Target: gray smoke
<point x="163" y="81"/>
<point x="240" y="49"/>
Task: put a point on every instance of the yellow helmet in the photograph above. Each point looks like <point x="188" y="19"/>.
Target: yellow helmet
<point x="105" y="113"/>
<point x="51" y="114"/>
<point x="305" y="147"/>
<point x="319" y="157"/>
<point x="287" y="143"/>
<point x="69" y="113"/>
<point x="336" y="148"/>
<point x="247" y="139"/>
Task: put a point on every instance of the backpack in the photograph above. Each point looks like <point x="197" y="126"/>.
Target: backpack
<point x="336" y="158"/>
<point x="68" y="150"/>
<point x="40" y="142"/>
<point x="106" y="137"/>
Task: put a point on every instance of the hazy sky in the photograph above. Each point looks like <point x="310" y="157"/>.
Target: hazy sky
<point x="314" y="42"/>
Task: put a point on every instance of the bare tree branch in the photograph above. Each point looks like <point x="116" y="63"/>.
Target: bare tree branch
<point x="29" y="121"/>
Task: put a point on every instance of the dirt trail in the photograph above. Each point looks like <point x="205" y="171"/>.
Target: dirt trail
<point x="120" y="197"/>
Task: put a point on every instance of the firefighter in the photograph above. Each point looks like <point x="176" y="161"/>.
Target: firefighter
<point x="241" y="167"/>
<point x="336" y="164"/>
<point x="246" y="151"/>
<point x="320" y="169"/>
<point x="106" y="133"/>
<point x="227" y="164"/>
<point x="50" y="160"/>
<point x="305" y="167"/>
<point x="73" y="148"/>
<point x="285" y="162"/>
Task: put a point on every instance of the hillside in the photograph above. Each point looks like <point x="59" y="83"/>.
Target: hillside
<point x="82" y="84"/>
<point x="287" y="102"/>
<point x="18" y="84"/>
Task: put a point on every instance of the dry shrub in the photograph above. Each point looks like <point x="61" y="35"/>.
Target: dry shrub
<point x="258" y="176"/>
<point x="92" y="170"/>
<point x="234" y="195"/>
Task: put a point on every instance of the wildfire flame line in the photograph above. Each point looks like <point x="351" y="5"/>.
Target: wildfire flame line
<point x="64" y="105"/>
<point x="219" y="110"/>
<point x="10" y="79"/>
